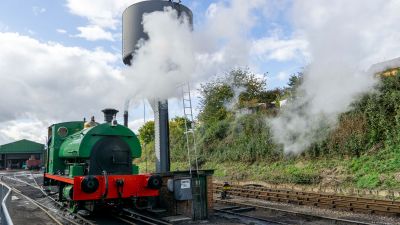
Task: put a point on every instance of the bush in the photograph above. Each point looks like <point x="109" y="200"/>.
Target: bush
<point x="369" y="181"/>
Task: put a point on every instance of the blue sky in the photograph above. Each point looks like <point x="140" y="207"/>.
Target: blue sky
<point x="63" y="53"/>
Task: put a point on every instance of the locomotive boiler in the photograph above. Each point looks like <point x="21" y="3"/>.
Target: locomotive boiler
<point x="92" y="164"/>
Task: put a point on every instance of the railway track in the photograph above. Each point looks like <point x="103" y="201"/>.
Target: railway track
<point x="132" y="217"/>
<point x="323" y="200"/>
<point x="25" y="184"/>
<point x="305" y="216"/>
<point x="54" y="209"/>
<point x="237" y="211"/>
<point x="47" y="210"/>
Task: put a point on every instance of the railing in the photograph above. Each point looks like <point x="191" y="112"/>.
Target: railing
<point x="5" y="197"/>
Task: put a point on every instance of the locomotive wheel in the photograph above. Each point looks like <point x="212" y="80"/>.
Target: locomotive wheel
<point x="89" y="184"/>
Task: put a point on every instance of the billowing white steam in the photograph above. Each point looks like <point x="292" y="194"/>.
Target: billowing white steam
<point x="345" y="38"/>
<point x="166" y="60"/>
<point x="176" y="54"/>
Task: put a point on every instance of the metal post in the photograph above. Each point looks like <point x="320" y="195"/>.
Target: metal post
<point x="161" y="126"/>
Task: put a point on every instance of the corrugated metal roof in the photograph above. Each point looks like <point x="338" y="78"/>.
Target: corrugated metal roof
<point x="22" y="146"/>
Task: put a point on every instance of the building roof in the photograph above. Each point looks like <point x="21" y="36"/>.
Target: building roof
<point x="22" y="146"/>
<point x="383" y="66"/>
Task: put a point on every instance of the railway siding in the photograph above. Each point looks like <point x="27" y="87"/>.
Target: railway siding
<point x="323" y="200"/>
<point x="294" y="217"/>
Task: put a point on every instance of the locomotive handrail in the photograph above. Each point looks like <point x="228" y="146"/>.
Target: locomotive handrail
<point x="5" y="199"/>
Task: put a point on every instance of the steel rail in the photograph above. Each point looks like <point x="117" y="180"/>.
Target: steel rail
<point x="262" y="189"/>
<point x="336" y="220"/>
<point x="41" y="207"/>
<point x="82" y="220"/>
<point x="143" y="218"/>
<point x="332" y="201"/>
<point x="124" y="220"/>
<point x="4" y="204"/>
<point x="249" y="217"/>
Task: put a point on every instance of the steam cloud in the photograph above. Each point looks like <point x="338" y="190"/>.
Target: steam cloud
<point x="175" y="54"/>
<point x="344" y="38"/>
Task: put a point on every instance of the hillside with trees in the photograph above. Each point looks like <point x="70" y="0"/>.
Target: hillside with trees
<point x="234" y="137"/>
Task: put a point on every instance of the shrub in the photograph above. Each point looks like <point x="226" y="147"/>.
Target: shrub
<point x="369" y="181"/>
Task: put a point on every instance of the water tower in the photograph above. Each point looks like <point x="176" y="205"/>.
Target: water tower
<point x="180" y="188"/>
<point x="132" y="34"/>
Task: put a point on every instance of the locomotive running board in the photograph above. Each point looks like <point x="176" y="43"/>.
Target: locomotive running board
<point x="63" y="179"/>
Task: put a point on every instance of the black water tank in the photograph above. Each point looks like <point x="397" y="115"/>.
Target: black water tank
<point x="132" y="28"/>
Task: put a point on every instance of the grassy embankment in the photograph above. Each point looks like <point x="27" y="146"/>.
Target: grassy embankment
<point x="380" y="171"/>
<point x="363" y="151"/>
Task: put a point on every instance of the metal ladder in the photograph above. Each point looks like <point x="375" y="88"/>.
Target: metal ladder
<point x="189" y="131"/>
<point x="197" y="190"/>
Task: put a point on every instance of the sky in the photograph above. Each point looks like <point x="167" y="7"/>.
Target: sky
<point x="60" y="60"/>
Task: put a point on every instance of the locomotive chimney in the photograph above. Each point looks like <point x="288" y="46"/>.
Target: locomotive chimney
<point x="109" y="114"/>
<point x="126" y="118"/>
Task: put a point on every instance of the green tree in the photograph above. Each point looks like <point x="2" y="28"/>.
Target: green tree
<point x="146" y="132"/>
<point x="272" y="96"/>
<point x="178" y="138"/>
<point x="295" y="80"/>
<point x="253" y="87"/>
<point x="215" y="95"/>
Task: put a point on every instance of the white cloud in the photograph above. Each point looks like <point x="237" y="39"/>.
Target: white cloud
<point x="94" y="33"/>
<point x="102" y="13"/>
<point x="51" y="82"/>
<point x="3" y="27"/>
<point x="282" y="76"/>
<point x="31" y="129"/>
<point x="211" y="10"/>
<point x="274" y="48"/>
<point x="61" y="31"/>
<point x="38" y="10"/>
<point x="136" y="124"/>
<point x="31" y="32"/>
